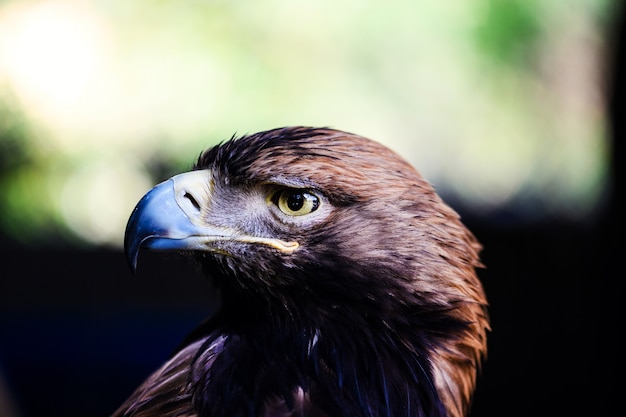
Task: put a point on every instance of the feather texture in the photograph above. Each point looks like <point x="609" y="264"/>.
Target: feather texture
<point x="355" y="296"/>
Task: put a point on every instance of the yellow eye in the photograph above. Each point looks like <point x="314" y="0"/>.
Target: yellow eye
<point x="295" y="202"/>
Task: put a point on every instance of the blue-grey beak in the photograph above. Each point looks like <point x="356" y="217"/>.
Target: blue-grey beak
<point x="168" y="217"/>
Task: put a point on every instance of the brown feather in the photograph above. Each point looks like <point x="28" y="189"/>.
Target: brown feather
<point x="385" y="217"/>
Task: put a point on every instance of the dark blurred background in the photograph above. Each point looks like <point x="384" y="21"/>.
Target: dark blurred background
<point x="513" y="110"/>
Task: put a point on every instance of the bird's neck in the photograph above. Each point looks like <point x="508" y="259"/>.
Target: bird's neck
<point x="355" y="366"/>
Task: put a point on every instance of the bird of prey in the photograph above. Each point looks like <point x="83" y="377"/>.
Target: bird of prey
<point x="348" y="287"/>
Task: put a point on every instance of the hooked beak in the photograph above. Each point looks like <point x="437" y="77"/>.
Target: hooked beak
<point x="169" y="217"/>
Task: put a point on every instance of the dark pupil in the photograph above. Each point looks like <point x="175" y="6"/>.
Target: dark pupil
<point x="295" y="201"/>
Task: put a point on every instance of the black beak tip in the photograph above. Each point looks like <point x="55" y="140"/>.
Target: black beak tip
<point x="132" y="264"/>
<point x="131" y="253"/>
<point x="132" y="242"/>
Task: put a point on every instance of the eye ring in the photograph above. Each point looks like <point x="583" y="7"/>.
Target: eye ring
<point x="295" y="201"/>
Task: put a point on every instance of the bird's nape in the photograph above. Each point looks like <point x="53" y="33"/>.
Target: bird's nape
<point x="349" y="288"/>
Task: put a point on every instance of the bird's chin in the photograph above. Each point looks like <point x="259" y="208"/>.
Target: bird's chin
<point x="223" y="245"/>
<point x="218" y="243"/>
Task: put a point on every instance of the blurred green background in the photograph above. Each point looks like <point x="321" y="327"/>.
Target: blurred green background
<point x="499" y="103"/>
<point x="509" y="107"/>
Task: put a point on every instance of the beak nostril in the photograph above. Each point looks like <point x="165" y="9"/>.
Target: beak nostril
<point x="193" y="201"/>
<point x="190" y="191"/>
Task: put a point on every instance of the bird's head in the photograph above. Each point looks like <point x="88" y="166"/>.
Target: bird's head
<point x="328" y="227"/>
